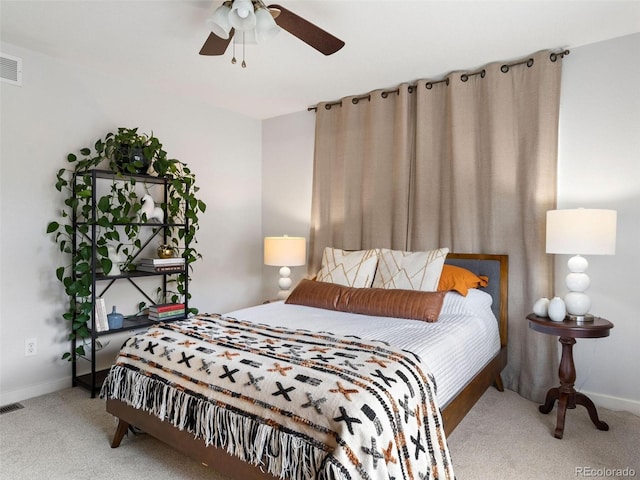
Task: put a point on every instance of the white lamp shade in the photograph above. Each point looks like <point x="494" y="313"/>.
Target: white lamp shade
<point x="581" y="231"/>
<point x="242" y="16"/>
<point x="266" y="27"/>
<point x="285" y="251"/>
<point x="218" y="23"/>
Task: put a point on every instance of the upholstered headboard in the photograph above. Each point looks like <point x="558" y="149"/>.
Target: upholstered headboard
<point x="496" y="267"/>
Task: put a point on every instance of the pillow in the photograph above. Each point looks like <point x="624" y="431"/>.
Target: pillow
<point x="410" y="270"/>
<point x="379" y="302"/>
<point x="348" y="268"/>
<point x="460" y="279"/>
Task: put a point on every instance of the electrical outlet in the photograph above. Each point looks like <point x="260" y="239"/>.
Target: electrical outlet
<point x="30" y="347"/>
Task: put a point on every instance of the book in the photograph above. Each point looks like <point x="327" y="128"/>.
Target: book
<point x="160" y="269"/>
<point x="162" y="261"/>
<point x="167" y="271"/>
<point x="149" y="266"/>
<point x="163" y="307"/>
<point x="167" y="315"/>
<point x="101" y="322"/>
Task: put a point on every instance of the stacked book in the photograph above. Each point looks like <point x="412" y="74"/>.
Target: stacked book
<point x="166" y="311"/>
<point x="161" y="265"/>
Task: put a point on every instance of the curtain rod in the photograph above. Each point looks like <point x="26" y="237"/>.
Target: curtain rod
<point x="429" y="85"/>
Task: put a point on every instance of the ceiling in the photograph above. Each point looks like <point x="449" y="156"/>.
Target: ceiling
<point x="387" y="43"/>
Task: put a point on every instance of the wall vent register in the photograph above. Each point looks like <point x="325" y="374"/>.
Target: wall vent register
<point x="11" y="69"/>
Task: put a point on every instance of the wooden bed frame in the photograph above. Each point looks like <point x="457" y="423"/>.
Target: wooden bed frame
<point x="452" y="413"/>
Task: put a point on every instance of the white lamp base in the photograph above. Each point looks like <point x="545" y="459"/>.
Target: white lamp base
<point x="578" y="303"/>
<point x="580" y="318"/>
<point x="284" y="283"/>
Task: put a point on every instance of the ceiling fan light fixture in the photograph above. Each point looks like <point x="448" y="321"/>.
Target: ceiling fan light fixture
<point x="252" y="19"/>
<point x="266" y="27"/>
<point x="242" y="16"/>
<point x="218" y="22"/>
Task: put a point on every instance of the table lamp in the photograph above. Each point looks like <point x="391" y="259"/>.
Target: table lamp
<point x="578" y="232"/>
<point x="284" y="252"/>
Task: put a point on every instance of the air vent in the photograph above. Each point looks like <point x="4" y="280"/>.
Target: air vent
<point x="11" y="408"/>
<point x="11" y="69"/>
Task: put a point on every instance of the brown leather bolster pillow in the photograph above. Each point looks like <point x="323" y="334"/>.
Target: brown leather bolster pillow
<point x="379" y="302"/>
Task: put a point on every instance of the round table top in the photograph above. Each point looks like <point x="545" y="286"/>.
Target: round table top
<point x="597" y="328"/>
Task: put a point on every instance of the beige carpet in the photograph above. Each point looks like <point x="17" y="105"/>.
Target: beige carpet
<point x="66" y="435"/>
<point x="505" y="437"/>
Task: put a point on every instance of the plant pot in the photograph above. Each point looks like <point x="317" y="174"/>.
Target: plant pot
<point x="165" y="251"/>
<point x="126" y="155"/>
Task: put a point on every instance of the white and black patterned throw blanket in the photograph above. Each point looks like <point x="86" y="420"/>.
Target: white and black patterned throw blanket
<point x="301" y="404"/>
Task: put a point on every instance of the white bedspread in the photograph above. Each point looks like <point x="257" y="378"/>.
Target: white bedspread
<point x="453" y="349"/>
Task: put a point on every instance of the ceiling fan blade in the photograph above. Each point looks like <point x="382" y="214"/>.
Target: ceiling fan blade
<point x="214" y="45"/>
<point x="306" y="31"/>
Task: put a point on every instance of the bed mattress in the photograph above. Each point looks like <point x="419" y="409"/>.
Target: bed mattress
<point x="463" y="340"/>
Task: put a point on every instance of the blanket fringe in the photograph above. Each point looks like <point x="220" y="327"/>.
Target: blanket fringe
<point x="280" y="454"/>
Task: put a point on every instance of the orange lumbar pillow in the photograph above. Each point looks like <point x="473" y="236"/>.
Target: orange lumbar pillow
<point x="460" y="280"/>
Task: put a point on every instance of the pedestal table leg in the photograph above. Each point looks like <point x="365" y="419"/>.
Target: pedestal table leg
<point x="566" y="394"/>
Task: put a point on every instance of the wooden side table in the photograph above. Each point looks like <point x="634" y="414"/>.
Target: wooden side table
<point x="566" y="394"/>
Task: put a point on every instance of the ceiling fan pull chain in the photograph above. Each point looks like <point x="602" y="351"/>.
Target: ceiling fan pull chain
<point x="244" y="64"/>
<point x="233" y="59"/>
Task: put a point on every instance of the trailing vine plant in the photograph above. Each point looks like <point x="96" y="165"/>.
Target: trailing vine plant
<point x="118" y="218"/>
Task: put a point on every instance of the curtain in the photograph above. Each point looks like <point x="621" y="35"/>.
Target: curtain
<point x="362" y="167"/>
<point x="468" y="163"/>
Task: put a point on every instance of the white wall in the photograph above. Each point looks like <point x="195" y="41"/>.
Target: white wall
<point x="61" y="108"/>
<point x="598" y="167"/>
<point x="287" y="174"/>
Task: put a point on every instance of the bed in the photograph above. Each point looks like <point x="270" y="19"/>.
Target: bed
<point x="456" y="392"/>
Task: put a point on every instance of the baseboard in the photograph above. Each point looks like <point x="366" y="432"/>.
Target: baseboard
<point x="614" y="403"/>
<point x="34" y="391"/>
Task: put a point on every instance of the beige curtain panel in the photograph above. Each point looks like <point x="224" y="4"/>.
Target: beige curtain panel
<point x="467" y="163"/>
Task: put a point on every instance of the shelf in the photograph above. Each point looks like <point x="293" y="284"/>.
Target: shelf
<point x="135" y="322"/>
<point x="136" y="274"/>
<point x="124" y="176"/>
<point x="139" y="224"/>
<point x="88" y="230"/>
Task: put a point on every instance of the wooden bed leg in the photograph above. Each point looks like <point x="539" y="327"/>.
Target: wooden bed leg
<point x="498" y="383"/>
<point x="120" y="431"/>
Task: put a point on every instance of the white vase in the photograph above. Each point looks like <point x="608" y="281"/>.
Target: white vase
<point x="557" y="309"/>
<point x="541" y="307"/>
<point x="115" y="270"/>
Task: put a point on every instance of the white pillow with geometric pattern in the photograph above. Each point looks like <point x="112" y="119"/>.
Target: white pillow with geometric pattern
<point x="348" y="268"/>
<point x="410" y="270"/>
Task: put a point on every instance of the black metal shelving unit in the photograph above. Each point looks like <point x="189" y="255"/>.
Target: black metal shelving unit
<point x="101" y="283"/>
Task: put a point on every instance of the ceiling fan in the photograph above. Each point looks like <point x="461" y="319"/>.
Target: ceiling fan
<point x="254" y="22"/>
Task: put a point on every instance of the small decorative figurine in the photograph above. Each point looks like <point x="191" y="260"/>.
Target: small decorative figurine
<point x="150" y="210"/>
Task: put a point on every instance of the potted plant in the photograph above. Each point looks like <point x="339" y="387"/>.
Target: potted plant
<point x="131" y="152"/>
<point x="116" y="219"/>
